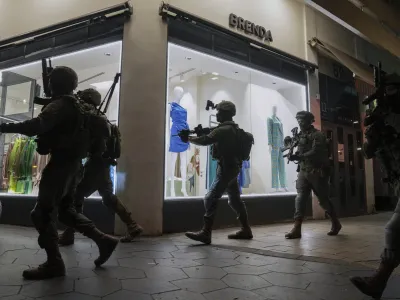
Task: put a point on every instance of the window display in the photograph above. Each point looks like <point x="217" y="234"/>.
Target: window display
<point x="266" y="107"/>
<point x="21" y="165"/>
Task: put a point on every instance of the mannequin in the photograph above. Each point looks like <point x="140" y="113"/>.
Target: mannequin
<point x="178" y="117"/>
<point x="275" y="143"/>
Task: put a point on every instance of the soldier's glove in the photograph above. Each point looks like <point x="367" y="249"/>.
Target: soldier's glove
<point x="184" y="135"/>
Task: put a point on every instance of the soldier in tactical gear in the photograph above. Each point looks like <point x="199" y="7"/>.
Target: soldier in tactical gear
<point x="312" y="154"/>
<point x="224" y="141"/>
<point x="97" y="178"/>
<point x="383" y="142"/>
<point x="57" y="125"/>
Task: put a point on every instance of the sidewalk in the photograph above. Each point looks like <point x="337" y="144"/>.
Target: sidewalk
<point x="316" y="267"/>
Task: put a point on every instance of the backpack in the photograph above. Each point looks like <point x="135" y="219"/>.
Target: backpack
<point x="114" y="143"/>
<point x="246" y="142"/>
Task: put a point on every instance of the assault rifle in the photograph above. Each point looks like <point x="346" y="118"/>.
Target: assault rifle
<point x="290" y="143"/>
<point x="198" y="131"/>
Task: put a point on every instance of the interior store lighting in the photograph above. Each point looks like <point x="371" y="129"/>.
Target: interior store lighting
<point x="214" y="78"/>
<point x="215" y="73"/>
<point x="102" y="85"/>
<point x="182" y="79"/>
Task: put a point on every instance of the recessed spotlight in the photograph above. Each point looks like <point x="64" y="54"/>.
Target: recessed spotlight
<point x="204" y="73"/>
<point x="215" y="73"/>
<point x="24" y="100"/>
<point x="214" y="78"/>
<point x="35" y="108"/>
<point x="182" y="80"/>
<point x="188" y="58"/>
<point x="107" y="54"/>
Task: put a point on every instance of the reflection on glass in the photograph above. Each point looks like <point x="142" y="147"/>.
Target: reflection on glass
<point x="21" y="165"/>
<point x="266" y="106"/>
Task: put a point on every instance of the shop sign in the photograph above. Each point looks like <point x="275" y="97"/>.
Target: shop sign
<point x="250" y="28"/>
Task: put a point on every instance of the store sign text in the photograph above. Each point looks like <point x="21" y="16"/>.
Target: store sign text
<point x="250" y="28"/>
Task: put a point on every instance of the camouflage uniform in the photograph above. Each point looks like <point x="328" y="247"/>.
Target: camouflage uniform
<point x="224" y="141"/>
<point x="313" y="176"/>
<point x="97" y="178"/>
<point x="59" y="178"/>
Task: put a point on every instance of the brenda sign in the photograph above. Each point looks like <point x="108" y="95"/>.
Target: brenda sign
<point x="250" y="28"/>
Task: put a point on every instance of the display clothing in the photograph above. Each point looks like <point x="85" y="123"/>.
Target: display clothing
<point x="275" y="140"/>
<point x="244" y="176"/>
<point x="179" y="122"/>
<point x="212" y="169"/>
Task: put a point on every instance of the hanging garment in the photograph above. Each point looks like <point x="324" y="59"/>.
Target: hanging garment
<point x="275" y="140"/>
<point x="179" y="122"/>
<point x="212" y="168"/>
<point x="246" y="174"/>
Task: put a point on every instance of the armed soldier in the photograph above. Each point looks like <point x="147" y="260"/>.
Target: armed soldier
<point x="224" y="139"/>
<point x="313" y="174"/>
<point x="58" y="128"/>
<point x="97" y="178"/>
<point x="382" y="137"/>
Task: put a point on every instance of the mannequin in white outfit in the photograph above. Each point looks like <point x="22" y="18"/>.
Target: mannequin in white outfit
<point x="177" y="97"/>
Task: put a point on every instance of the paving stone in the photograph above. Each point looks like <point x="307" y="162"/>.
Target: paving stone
<point x="152" y="254"/>
<point x="10" y="256"/>
<point x="120" y="272"/>
<point x="288" y="268"/>
<point x="284" y="293"/>
<point x="233" y="294"/>
<point x="286" y="280"/>
<point x="125" y="295"/>
<point x="112" y="262"/>
<point x="220" y="253"/>
<point x="329" y="292"/>
<point x="330" y="279"/>
<point x="245" y="282"/>
<point x="393" y="288"/>
<point x="217" y="262"/>
<point x="97" y="286"/>
<point x="189" y="254"/>
<point x="16" y="297"/>
<point x="247" y="270"/>
<point x="148" y="286"/>
<point x="143" y="246"/>
<point x="179" y="295"/>
<point x="12" y="275"/>
<point x="48" y="287"/>
<point x="80" y="273"/>
<point x="200" y="285"/>
<point x="9" y="290"/>
<point x="205" y="272"/>
<point x="326" y="268"/>
<point x="70" y="296"/>
<point x="177" y="263"/>
<point x="256" y="260"/>
<point x="137" y="262"/>
<point x="169" y="273"/>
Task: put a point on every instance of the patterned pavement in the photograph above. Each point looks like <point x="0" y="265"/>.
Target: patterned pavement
<point x="171" y="268"/>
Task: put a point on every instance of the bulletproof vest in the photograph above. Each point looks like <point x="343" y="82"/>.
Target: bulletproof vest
<point x="320" y="159"/>
<point x="388" y="155"/>
<point x="226" y="149"/>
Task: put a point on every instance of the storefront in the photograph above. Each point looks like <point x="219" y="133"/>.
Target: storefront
<point x="173" y="58"/>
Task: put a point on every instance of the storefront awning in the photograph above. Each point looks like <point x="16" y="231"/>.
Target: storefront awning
<point x="360" y="69"/>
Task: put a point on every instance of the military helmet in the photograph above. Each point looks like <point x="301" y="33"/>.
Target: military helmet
<point x="91" y="96"/>
<point x="227" y="106"/>
<point x="305" y="115"/>
<point x="63" y="80"/>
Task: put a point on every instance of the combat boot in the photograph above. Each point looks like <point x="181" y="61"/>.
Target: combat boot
<point x="52" y="268"/>
<point x="374" y="286"/>
<point x="133" y="229"/>
<point x="67" y="238"/>
<point x="105" y="243"/>
<point x="245" y="232"/>
<point x="295" y="233"/>
<point x="203" y="235"/>
<point x="336" y="226"/>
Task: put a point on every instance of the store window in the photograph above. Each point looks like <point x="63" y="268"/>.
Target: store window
<point x="21" y="166"/>
<point x="266" y="107"/>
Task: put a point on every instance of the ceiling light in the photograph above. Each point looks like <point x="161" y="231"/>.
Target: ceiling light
<point x="182" y="79"/>
<point x="359" y="149"/>
<point x="355" y="122"/>
<point x="35" y="108"/>
<point x="102" y="85"/>
<point x="215" y="73"/>
<point x="24" y="100"/>
<point x="214" y="78"/>
<point x="107" y="54"/>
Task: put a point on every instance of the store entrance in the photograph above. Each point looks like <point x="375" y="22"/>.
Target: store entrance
<point x="347" y="182"/>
